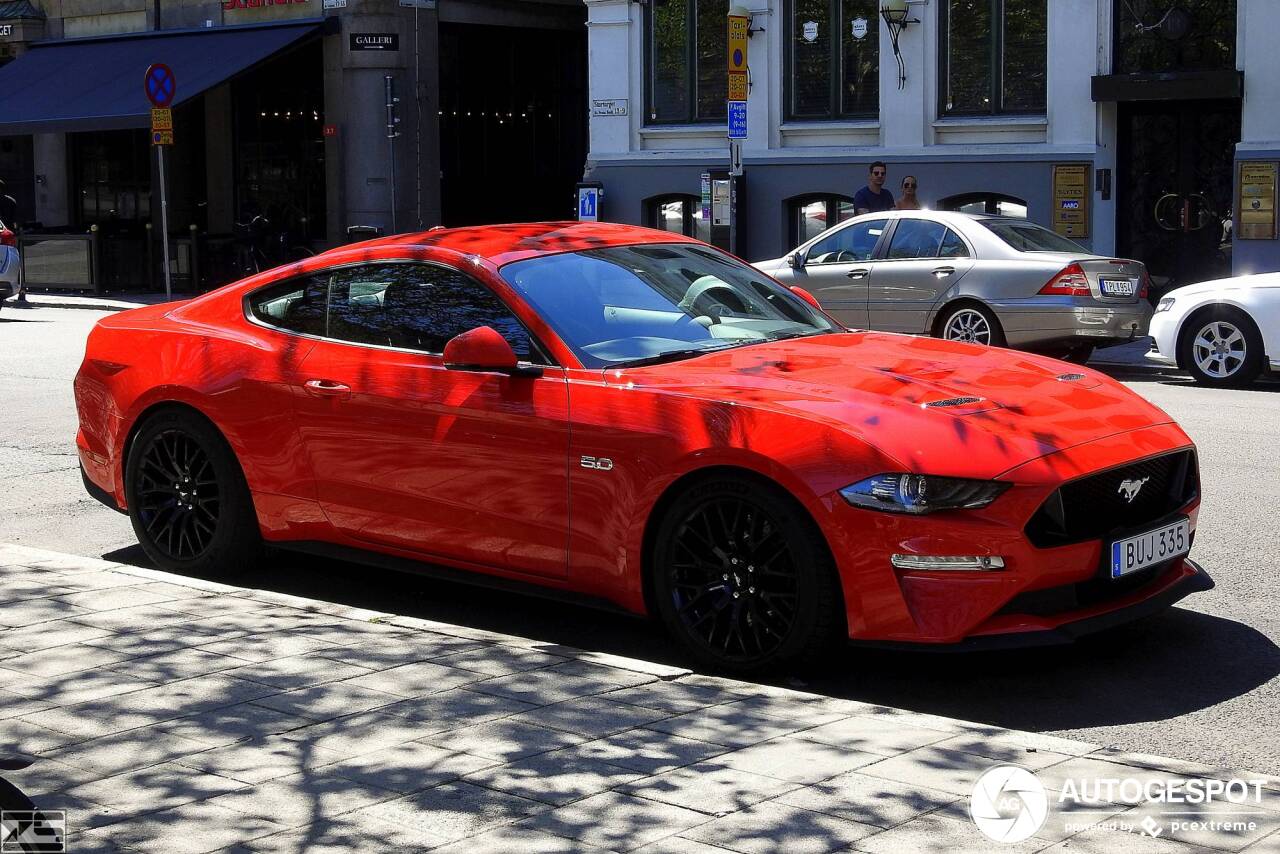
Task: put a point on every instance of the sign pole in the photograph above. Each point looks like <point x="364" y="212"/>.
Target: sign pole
<point x="164" y="226"/>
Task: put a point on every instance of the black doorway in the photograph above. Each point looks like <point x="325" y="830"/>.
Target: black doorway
<point x="1175" y="186"/>
<point x="513" y="122"/>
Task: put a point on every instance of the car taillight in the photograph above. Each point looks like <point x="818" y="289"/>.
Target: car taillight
<point x="1071" y="282"/>
<point x="8" y="238"/>
<point x="1144" y="290"/>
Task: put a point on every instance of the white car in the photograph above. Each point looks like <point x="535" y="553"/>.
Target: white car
<point x="1225" y="332"/>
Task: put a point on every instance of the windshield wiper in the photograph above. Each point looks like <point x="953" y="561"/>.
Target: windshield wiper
<point x="670" y="356"/>
<point x="784" y="336"/>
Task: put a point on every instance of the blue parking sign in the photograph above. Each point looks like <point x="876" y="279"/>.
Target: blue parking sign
<point x="588" y="204"/>
<point x="737" y="119"/>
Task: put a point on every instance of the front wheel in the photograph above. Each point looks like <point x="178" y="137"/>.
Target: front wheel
<point x="743" y="578"/>
<point x="188" y="501"/>
<point x="1222" y="348"/>
<point x="975" y="324"/>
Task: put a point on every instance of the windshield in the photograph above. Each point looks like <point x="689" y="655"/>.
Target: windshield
<point x="1029" y="237"/>
<point x="634" y="304"/>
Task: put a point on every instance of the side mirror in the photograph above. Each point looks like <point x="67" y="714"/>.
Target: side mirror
<point x="795" y="260"/>
<point x="483" y="349"/>
<point x="807" y="297"/>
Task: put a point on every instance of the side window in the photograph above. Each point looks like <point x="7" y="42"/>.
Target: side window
<point x="416" y="307"/>
<point x="916" y="238"/>
<point x="853" y="243"/>
<point x="953" y="246"/>
<point x="297" y="305"/>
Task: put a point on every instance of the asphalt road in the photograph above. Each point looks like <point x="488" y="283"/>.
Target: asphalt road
<point x="1201" y="682"/>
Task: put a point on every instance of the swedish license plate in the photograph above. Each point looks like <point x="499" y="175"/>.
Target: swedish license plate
<point x="1119" y="287"/>
<point x="1164" y="543"/>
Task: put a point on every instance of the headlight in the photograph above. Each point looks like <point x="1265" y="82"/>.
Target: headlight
<point x="1165" y="304"/>
<point x="922" y="493"/>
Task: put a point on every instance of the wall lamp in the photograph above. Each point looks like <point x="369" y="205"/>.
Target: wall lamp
<point x="895" y="14"/>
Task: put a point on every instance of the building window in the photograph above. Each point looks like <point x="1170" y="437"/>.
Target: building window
<point x="679" y="214"/>
<point x="688" y="78"/>
<point x="993" y="56"/>
<point x="809" y="216"/>
<point x="1194" y="35"/>
<point x="833" y="53"/>
<point x="985" y="203"/>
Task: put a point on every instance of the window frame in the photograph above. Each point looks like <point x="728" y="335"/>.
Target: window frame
<point x="692" y="211"/>
<point x="691" y="70"/>
<point x="881" y="255"/>
<point x="890" y="225"/>
<point x="835" y="62"/>
<point x="996" y="65"/>
<point x="537" y="348"/>
<point x="830" y="200"/>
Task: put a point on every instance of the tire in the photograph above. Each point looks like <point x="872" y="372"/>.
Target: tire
<point x="973" y="323"/>
<point x="1221" y="348"/>
<point x="188" y="501"/>
<point x="769" y="601"/>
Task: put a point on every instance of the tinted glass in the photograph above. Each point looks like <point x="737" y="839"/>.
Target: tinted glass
<point x="967" y="63"/>
<point x="860" y="59"/>
<point x="1026" y="47"/>
<point x="626" y="303"/>
<point x="917" y="238"/>
<point x="297" y="305"/>
<point x="852" y="243"/>
<point x="811" y="67"/>
<point x="713" y="36"/>
<point x="669" y="61"/>
<point x="1157" y="35"/>
<point x="953" y="246"/>
<point x="1028" y="237"/>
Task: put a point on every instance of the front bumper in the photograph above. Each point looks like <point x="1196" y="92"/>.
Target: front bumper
<point x="1181" y="580"/>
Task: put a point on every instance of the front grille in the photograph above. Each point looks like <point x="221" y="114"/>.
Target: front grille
<point x="1072" y="597"/>
<point x="954" y="401"/>
<point x="1095" y="507"/>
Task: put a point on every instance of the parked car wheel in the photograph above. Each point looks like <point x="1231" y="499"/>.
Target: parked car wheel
<point x="188" y="500"/>
<point x="1221" y="347"/>
<point x="743" y="578"/>
<point x="973" y="323"/>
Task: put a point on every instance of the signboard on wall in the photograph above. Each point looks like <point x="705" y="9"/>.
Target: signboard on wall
<point x="1071" y="199"/>
<point x="1257" y="200"/>
<point x="375" y="41"/>
<point x="608" y="106"/>
<point x="6" y="30"/>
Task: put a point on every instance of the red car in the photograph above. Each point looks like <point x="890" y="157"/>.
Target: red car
<point x="638" y="419"/>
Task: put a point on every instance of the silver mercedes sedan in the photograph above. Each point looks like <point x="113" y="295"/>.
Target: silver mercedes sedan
<point x="989" y="279"/>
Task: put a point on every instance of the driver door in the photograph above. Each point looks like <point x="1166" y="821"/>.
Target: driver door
<point x="838" y="272"/>
<point x="466" y="466"/>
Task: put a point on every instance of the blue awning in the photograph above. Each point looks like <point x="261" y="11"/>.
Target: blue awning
<point x="96" y="83"/>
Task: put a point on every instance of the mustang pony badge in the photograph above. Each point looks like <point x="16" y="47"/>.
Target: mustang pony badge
<point x="1130" y="488"/>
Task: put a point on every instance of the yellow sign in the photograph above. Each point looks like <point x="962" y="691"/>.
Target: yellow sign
<point x="1071" y="199"/>
<point x="162" y="137"/>
<point x="1257" y="200"/>
<point x="161" y="119"/>
<point x="737" y="52"/>
<point x="737" y="86"/>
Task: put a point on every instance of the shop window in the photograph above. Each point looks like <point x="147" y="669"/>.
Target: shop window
<point x="111" y="178"/>
<point x="833" y="53"/>
<point x="686" y="55"/>
<point x="809" y="216"/>
<point x="992" y="57"/>
<point x="679" y="214"/>
<point x="985" y="203"/>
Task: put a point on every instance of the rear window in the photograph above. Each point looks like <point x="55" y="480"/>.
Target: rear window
<point x="1029" y="237"/>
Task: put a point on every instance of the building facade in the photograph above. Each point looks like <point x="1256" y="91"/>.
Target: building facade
<point x="281" y="114"/>
<point x="1134" y="126"/>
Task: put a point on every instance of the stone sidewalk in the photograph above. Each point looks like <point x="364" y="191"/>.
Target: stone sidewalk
<point x="171" y="714"/>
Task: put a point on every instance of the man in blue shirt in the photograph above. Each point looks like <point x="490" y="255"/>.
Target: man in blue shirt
<point x="874" y="197"/>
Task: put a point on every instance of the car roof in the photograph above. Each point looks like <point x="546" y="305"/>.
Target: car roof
<point x="502" y="244"/>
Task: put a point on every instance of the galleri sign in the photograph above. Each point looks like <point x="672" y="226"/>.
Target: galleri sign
<point x="375" y="41"/>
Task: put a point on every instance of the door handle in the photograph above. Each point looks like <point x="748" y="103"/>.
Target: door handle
<point x="327" y="388"/>
<point x="857" y="274"/>
<point x="943" y="272"/>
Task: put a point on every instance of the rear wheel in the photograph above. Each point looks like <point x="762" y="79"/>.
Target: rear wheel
<point x="973" y="323"/>
<point x="743" y="579"/>
<point x="1221" y="348"/>
<point x="188" y="501"/>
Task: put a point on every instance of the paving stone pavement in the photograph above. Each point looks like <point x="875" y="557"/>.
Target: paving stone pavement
<point x="166" y="713"/>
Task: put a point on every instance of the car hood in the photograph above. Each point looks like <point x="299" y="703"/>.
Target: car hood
<point x="1259" y="280"/>
<point x="933" y="406"/>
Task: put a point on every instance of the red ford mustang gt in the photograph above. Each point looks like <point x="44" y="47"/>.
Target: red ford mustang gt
<point x="642" y="420"/>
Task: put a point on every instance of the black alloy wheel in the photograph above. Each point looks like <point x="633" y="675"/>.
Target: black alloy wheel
<point x="743" y="578"/>
<point x="190" y="507"/>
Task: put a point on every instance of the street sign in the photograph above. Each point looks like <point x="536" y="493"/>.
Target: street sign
<point x="161" y="119"/>
<point x="738" y="26"/>
<point x="160" y="85"/>
<point x="737" y="86"/>
<point x="737" y="120"/>
<point x="588" y="204"/>
<point x="162" y="137"/>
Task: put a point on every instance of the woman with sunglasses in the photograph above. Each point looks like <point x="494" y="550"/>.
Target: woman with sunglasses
<point x="909" y="201"/>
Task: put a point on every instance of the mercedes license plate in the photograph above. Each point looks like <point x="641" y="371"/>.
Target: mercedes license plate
<point x="1155" y="546"/>
<point x="1119" y="287"/>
